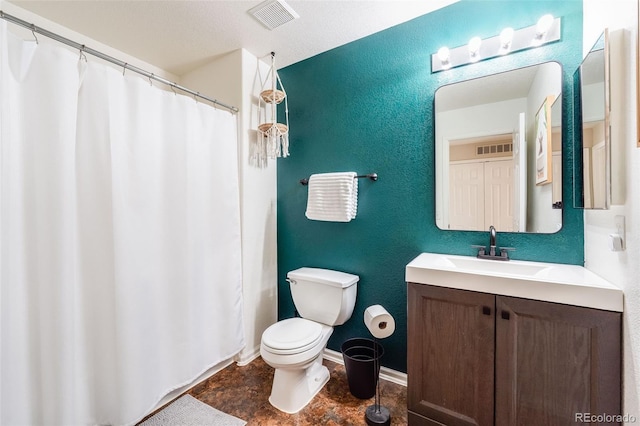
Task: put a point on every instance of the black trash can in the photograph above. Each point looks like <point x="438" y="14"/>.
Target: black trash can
<point x="359" y="361"/>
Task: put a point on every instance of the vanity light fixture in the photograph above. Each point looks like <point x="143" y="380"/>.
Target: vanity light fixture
<point x="474" y="49"/>
<point x="546" y="30"/>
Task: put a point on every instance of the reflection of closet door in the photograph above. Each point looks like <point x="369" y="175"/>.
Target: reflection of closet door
<point x="598" y="174"/>
<point x="466" y="196"/>
<point x="498" y="195"/>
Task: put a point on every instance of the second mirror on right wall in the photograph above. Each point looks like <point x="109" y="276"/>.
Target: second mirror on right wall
<point x="593" y="140"/>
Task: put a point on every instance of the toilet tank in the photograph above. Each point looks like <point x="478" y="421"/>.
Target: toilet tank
<point x="323" y="295"/>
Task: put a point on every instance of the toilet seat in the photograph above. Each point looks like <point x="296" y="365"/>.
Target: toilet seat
<point x="292" y="336"/>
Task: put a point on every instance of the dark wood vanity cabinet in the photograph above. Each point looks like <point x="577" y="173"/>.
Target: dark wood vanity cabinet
<point x="483" y="359"/>
<point x="450" y="369"/>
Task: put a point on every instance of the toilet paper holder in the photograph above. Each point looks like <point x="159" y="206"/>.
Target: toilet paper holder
<point x="381" y="325"/>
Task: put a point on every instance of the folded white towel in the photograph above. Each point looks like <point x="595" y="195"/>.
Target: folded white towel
<point x="332" y="197"/>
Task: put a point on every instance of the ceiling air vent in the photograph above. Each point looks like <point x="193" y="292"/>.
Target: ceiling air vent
<point x="493" y="149"/>
<point x="273" y="13"/>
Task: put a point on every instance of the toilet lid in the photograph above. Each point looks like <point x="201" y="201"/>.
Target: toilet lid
<point x="292" y="335"/>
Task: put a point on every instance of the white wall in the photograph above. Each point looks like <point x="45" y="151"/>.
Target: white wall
<point x="620" y="268"/>
<point x="259" y="200"/>
<point x="39" y="21"/>
<point x="234" y="79"/>
<point x="593" y="111"/>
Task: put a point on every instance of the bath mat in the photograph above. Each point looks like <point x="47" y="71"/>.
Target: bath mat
<point x="188" y="411"/>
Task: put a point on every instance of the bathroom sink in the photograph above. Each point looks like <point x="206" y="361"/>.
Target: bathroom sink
<point x="473" y="265"/>
<point x="552" y="282"/>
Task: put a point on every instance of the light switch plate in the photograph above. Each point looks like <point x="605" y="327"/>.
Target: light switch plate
<point x="620" y="229"/>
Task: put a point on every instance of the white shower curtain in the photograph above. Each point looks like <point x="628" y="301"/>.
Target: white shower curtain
<point x="119" y="239"/>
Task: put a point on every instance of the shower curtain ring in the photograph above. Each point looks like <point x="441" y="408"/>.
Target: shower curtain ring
<point x="124" y="68"/>
<point x="33" y="31"/>
<point x="151" y="82"/>
<point x="82" y="55"/>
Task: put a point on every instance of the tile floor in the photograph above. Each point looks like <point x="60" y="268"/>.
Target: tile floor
<point x="244" y="391"/>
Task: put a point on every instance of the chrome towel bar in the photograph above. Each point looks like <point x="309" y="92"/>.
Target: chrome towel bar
<point x="372" y="176"/>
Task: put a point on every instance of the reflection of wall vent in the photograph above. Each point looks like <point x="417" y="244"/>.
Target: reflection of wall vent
<point x="493" y="149"/>
<point x="273" y="13"/>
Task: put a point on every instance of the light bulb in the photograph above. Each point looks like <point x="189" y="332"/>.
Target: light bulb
<point x="443" y="55"/>
<point x="506" y="37"/>
<point x="544" y="23"/>
<point x="474" y="48"/>
<point x="542" y="27"/>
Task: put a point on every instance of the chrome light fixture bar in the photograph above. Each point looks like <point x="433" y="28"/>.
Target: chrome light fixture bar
<point x="547" y="30"/>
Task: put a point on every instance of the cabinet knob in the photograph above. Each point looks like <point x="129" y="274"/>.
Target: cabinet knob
<point x="486" y="310"/>
<point x="505" y="315"/>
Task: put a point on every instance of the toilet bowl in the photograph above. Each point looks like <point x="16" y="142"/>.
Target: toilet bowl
<point x="297" y="357"/>
<point x="295" y="346"/>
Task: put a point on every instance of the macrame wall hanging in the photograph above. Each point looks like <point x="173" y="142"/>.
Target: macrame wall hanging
<point x="273" y="137"/>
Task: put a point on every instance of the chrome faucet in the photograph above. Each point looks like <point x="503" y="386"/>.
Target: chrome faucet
<point x="493" y="254"/>
<point x="492" y="240"/>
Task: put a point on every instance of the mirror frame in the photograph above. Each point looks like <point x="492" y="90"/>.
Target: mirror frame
<point x="555" y="196"/>
<point x="578" y="159"/>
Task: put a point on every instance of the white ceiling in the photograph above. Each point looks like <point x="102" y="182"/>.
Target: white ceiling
<point x="181" y="35"/>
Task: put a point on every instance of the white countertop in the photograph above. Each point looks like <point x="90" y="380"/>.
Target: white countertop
<point x="549" y="282"/>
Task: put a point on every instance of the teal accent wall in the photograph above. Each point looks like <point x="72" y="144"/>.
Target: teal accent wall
<point x="368" y="107"/>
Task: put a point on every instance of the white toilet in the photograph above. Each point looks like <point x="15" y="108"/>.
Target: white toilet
<point x="294" y="346"/>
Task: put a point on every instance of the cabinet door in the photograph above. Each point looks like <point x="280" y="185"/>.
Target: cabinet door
<point x="554" y="362"/>
<point x="450" y="355"/>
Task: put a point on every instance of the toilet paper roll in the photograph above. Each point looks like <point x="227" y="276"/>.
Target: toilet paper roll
<point x="379" y="322"/>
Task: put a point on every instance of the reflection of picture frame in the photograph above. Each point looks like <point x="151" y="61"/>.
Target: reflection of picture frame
<point x="543" y="155"/>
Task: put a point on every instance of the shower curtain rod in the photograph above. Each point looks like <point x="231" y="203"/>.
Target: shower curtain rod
<point x="84" y="49"/>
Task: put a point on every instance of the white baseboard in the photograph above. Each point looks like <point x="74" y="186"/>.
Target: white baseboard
<point x="385" y="373"/>
<point x="247" y="355"/>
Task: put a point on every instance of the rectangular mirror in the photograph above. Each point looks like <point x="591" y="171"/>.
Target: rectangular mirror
<point x="593" y="168"/>
<point x="498" y="142"/>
